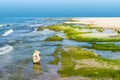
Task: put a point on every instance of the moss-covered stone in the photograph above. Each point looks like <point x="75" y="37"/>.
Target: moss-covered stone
<point x="54" y="38"/>
<point x="76" y="61"/>
<point x="75" y="33"/>
<point x="82" y="38"/>
<point x="106" y="46"/>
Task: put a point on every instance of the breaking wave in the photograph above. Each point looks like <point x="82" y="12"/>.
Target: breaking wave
<point x="1" y="25"/>
<point x="8" y="32"/>
<point x="5" y="49"/>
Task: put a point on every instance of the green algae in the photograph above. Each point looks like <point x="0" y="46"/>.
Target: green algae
<point x="97" y="72"/>
<point x="54" y="38"/>
<point x="80" y="38"/>
<point x="79" y="53"/>
<point x="76" y="61"/>
<point x="73" y="32"/>
<point x="106" y="46"/>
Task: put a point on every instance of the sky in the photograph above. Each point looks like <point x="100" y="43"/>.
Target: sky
<point x="59" y="8"/>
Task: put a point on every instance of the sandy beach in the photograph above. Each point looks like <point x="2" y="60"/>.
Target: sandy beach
<point x="110" y="23"/>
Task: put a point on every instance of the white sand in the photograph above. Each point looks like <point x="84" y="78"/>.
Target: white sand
<point x="111" y="23"/>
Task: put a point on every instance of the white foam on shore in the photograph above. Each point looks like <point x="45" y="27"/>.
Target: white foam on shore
<point x="1" y="25"/>
<point x="35" y="25"/>
<point x="8" y="32"/>
<point x="5" y="49"/>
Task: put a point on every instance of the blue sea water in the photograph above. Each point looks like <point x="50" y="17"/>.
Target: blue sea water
<point x="18" y="40"/>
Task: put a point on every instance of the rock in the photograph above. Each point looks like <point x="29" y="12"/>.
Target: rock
<point x="36" y="56"/>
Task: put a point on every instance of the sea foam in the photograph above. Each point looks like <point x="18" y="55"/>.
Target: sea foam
<point x="5" y="49"/>
<point x="1" y="25"/>
<point x="8" y="32"/>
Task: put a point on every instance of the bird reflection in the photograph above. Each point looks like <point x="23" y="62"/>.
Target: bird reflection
<point x="36" y="68"/>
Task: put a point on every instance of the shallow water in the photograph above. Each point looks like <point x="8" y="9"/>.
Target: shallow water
<point x="16" y="58"/>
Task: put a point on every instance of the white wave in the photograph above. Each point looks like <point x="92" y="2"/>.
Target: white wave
<point x="5" y="49"/>
<point x="8" y="32"/>
<point x="1" y="25"/>
<point x="35" y="25"/>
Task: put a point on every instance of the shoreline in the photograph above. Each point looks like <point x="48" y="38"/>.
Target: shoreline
<point x="103" y="22"/>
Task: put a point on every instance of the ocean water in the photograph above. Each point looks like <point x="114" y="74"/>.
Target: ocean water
<point x="19" y="38"/>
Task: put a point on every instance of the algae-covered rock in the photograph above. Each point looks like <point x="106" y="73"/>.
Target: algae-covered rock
<point x="76" y="33"/>
<point x="76" y="61"/>
<point x="106" y="46"/>
<point x="54" y="38"/>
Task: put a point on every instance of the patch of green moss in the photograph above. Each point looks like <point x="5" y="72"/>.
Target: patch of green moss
<point x="80" y="38"/>
<point x="74" y="33"/>
<point x="106" y="46"/>
<point x="66" y="59"/>
<point x="66" y="71"/>
<point x="62" y="27"/>
<point x="76" y="61"/>
<point x="54" y="38"/>
<point x="90" y="72"/>
<point x="97" y="72"/>
<point x="79" y="53"/>
<point x="56" y="27"/>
